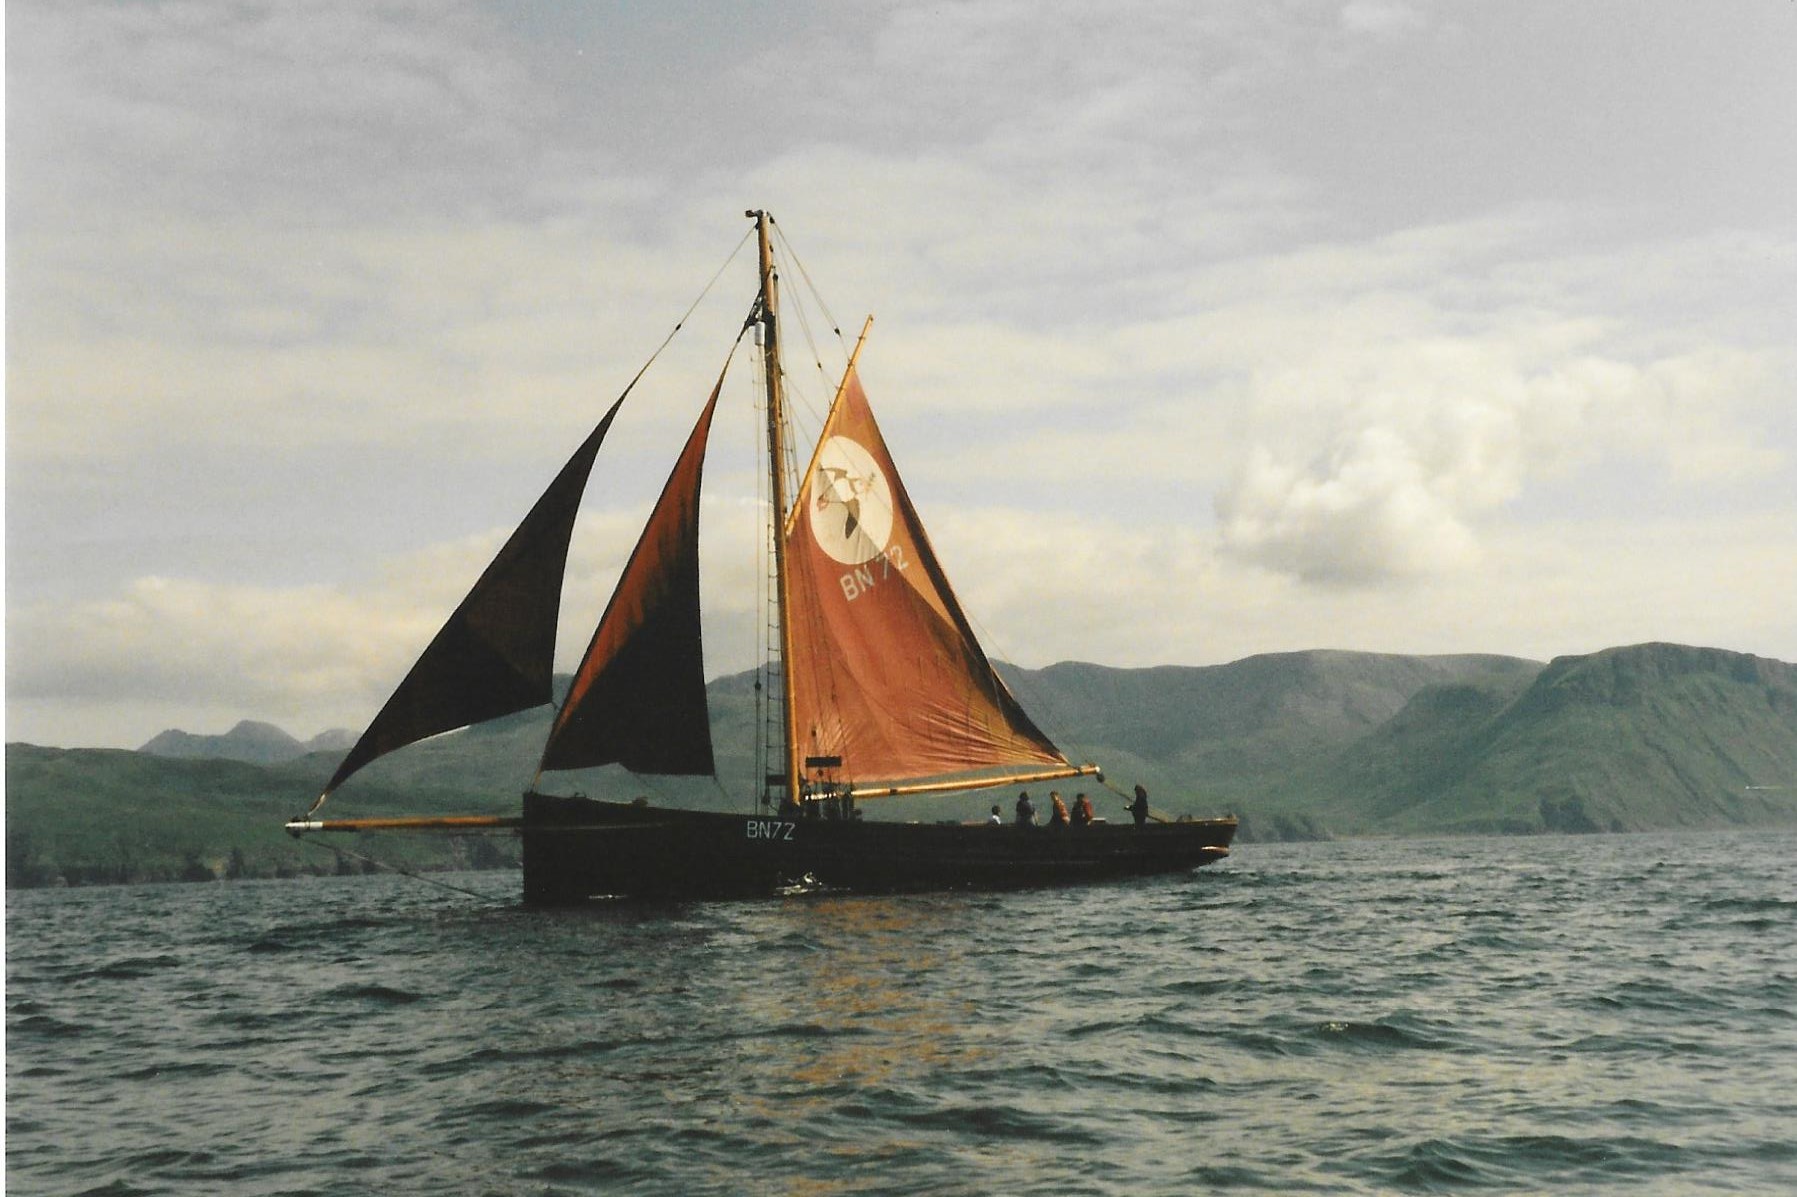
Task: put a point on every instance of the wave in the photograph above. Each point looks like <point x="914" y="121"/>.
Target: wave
<point x="371" y="994"/>
<point x="1534" y="1161"/>
<point x="1399" y="1033"/>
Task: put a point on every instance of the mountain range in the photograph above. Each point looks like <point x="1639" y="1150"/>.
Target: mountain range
<point x="256" y="743"/>
<point x="1299" y="745"/>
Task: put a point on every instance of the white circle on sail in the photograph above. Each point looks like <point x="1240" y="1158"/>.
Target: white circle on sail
<point x="851" y="505"/>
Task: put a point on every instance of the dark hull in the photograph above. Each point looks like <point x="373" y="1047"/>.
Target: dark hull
<point x="578" y="849"/>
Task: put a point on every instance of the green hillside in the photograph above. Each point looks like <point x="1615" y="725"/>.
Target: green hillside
<point x="1241" y="729"/>
<point x="90" y="816"/>
<point x="1650" y="737"/>
<point x="1298" y="744"/>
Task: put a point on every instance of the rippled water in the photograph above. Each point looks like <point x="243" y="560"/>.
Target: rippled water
<point x="1607" y="1014"/>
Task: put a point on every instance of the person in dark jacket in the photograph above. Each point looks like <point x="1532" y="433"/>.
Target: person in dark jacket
<point x="1139" y="808"/>
<point x="1082" y="811"/>
<point x="1026" y="811"/>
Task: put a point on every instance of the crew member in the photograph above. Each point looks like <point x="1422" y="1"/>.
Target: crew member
<point x="1139" y="808"/>
<point x="1026" y="812"/>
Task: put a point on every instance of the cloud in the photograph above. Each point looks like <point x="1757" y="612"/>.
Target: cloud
<point x="1366" y="514"/>
<point x="1080" y="587"/>
<point x="189" y="643"/>
<point x="235" y="333"/>
<point x="1396" y="396"/>
<point x="1389" y="461"/>
<point x="1262" y="322"/>
<point x="324" y="110"/>
<point x="316" y="656"/>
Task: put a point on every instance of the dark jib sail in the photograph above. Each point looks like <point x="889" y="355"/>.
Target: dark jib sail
<point x="638" y="698"/>
<point x="496" y="654"/>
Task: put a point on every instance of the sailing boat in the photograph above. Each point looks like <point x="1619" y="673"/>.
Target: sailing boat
<point x="880" y="684"/>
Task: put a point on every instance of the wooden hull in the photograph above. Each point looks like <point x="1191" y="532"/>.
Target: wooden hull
<point x="578" y="849"/>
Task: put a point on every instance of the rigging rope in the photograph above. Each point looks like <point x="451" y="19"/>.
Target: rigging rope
<point x="693" y="307"/>
<point x="804" y="274"/>
<point x="787" y="255"/>
<point x="400" y="869"/>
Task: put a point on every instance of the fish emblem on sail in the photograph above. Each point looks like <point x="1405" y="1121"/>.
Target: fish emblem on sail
<point x="851" y="509"/>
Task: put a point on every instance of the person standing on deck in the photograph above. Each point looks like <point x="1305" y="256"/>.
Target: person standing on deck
<point x="1026" y="812"/>
<point x="1082" y="811"/>
<point x="1058" y="818"/>
<point x="996" y="820"/>
<point x="1139" y="808"/>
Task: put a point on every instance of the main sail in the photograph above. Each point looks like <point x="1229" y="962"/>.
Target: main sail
<point x="495" y="655"/>
<point x="886" y="675"/>
<point x="638" y="698"/>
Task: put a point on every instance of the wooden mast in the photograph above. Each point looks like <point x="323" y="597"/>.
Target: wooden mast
<point x="776" y="443"/>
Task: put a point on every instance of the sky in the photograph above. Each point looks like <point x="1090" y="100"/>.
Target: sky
<point x="1202" y="329"/>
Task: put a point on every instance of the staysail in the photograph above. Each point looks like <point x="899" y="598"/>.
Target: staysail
<point x="886" y="674"/>
<point x="638" y="698"/>
<point x="496" y="653"/>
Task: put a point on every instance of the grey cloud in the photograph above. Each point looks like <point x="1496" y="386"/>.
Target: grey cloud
<point x="1402" y="277"/>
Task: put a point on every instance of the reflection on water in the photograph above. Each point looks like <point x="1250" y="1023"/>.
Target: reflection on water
<point x="853" y="1010"/>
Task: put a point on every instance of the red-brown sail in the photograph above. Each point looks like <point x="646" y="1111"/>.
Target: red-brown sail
<point x="638" y="698"/>
<point x="496" y="653"/>
<point x="886" y="673"/>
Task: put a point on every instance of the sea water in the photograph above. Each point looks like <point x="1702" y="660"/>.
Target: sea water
<point x="1608" y="1014"/>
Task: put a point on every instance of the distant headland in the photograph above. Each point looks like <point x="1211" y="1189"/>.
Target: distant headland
<point x="1301" y="745"/>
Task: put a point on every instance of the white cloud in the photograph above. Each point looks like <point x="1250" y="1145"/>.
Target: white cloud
<point x="1395" y="396"/>
<point x="1368" y="513"/>
<point x="189" y="644"/>
<point x="1389" y="460"/>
